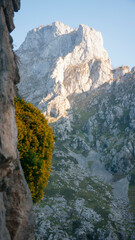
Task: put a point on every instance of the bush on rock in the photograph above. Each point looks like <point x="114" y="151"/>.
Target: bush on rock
<point x="35" y="145"/>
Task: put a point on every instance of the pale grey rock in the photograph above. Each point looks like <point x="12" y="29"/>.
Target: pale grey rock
<point x="118" y="111"/>
<point x="57" y="61"/>
<point x="133" y="69"/>
<point x="63" y="128"/>
<point x="4" y="233"/>
<point x="120" y="71"/>
<point x="88" y="128"/>
<point x="79" y="142"/>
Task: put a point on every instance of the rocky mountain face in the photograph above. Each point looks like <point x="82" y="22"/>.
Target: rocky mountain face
<point x="91" y="107"/>
<point x="16" y="215"/>
<point x="57" y="61"/>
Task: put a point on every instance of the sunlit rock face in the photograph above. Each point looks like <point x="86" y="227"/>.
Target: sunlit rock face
<point x="57" y="61"/>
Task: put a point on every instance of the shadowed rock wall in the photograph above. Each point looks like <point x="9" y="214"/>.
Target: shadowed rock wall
<point x="16" y="215"/>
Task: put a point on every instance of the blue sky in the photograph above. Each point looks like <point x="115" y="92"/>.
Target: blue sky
<point x="115" y="19"/>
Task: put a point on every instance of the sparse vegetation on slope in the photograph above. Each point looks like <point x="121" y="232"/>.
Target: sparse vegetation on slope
<point x="92" y="185"/>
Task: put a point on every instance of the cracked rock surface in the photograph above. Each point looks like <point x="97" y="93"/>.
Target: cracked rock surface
<point x="16" y="214"/>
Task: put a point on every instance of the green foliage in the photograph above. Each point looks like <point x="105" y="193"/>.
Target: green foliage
<point x="35" y="145"/>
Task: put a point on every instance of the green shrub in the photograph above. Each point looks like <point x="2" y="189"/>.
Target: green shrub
<point x="35" y="145"/>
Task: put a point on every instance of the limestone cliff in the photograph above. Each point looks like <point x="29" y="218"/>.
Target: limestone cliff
<point x="92" y="188"/>
<point x="57" y="61"/>
<point x="16" y="216"/>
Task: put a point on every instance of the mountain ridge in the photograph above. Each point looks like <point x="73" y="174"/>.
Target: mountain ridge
<point x="90" y="195"/>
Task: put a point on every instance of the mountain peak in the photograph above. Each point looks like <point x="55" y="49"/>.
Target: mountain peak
<point x="61" y="61"/>
<point x="62" y="27"/>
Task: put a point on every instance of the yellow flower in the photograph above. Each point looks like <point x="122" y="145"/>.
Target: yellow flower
<point x="35" y="145"/>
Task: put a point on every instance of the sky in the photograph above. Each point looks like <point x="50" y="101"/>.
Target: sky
<point x="115" y="19"/>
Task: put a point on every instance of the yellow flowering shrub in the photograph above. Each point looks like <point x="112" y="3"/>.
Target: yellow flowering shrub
<point x="35" y="145"/>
